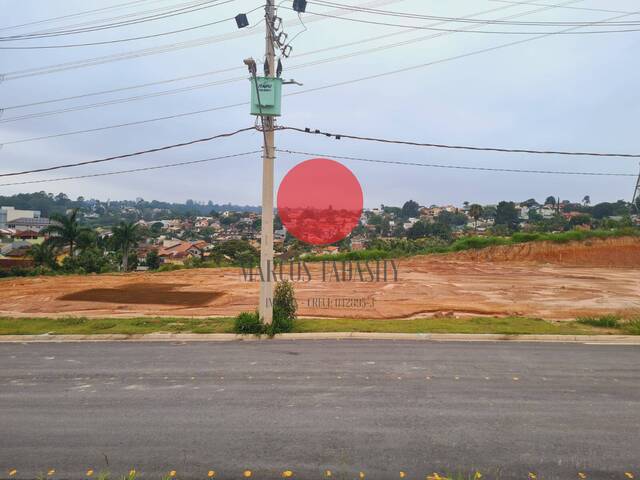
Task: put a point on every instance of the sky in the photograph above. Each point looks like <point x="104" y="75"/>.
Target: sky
<point x="560" y="92"/>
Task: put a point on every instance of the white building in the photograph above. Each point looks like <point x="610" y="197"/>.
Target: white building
<point x="7" y="214"/>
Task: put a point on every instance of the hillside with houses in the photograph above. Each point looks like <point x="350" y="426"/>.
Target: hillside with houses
<point x="157" y="235"/>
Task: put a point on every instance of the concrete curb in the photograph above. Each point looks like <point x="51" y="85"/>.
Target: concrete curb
<point x="228" y="337"/>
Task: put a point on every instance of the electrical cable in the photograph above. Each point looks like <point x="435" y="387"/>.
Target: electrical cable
<point x="339" y="136"/>
<point x="77" y="14"/>
<point x="129" y="155"/>
<point x="132" y="54"/>
<point x="389" y="13"/>
<point x="129" y="39"/>
<point x="457" y="167"/>
<point x="497" y="32"/>
<point x="181" y="11"/>
<point x="310" y="90"/>
<point x="141" y="169"/>
<point x="294" y="67"/>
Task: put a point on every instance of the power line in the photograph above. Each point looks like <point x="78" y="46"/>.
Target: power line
<point x="457" y="167"/>
<point x="128" y="155"/>
<point x="129" y="39"/>
<point x="188" y="77"/>
<point x="497" y="32"/>
<point x="313" y="63"/>
<point x="388" y="13"/>
<point x="133" y="21"/>
<point x="309" y="90"/>
<point x="121" y="125"/>
<point x="339" y="136"/>
<point x="77" y="14"/>
<point x="141" y="169"/>
<point x="132" y="54"/>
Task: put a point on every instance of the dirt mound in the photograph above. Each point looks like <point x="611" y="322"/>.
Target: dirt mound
<point x="611" y="252"/>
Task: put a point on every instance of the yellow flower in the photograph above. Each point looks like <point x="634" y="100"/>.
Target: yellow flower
<point x="582" y="475"/>
<point x="211" y="474"/>
<point x="361" y="475"/>
<point x="132" y="472"/>
<point x="51" y="472"/>
<point x="89" y="472"/>
<point x="477" y="476"/>
<point x="12" y="472"/>
<point x="628" y="475"/>
<point x="402" y="474"/>
<point x="327" y="473"/>
<point x="287" y="474"/>
<point x="247" y="473"/>
<point x="532" y="476"/>
<point x="172" y="473"/>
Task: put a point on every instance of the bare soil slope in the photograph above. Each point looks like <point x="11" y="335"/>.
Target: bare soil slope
<point x="540" y="280"/>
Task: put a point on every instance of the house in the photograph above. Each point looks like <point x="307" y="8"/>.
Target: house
<point x="27" y="235"/>
<point x="358" y="244"/>
<point x="9" y="214"/>
<point x="181" y="251"/>
<point x="27" y="223"/>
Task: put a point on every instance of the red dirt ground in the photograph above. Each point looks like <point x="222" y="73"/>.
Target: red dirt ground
<point x="539" y="280"/>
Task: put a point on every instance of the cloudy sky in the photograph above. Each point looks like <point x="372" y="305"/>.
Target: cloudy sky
<point x="562" y="92"/>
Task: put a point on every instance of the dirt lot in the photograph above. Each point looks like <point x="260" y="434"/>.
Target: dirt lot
<point x="539" y="280"/>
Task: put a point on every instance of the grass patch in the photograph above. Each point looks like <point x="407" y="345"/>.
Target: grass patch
<point x="502" y="325"/>
<point x="87" y="326"/>
<point x="497" y="325"/>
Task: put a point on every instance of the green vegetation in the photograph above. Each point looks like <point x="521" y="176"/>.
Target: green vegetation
<point x="628" y="327"/>
<point x="403" y="248"/>
<point x="248" y="323"/>
<point x="284" y="314"/>
<point x="504" y="325"/>
<point x="87" y="326"/>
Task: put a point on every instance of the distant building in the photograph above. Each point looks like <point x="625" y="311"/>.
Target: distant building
<point x="8" y="214"/>
<point x="25" y="223"/>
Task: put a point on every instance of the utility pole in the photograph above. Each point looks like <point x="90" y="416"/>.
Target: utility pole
<point x="268" y="156"/>
<point x="636" y="196"/>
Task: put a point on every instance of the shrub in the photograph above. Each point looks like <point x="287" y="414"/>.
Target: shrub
<point x="284" y="309"/>
<point x="248" y="324"/>
<point x="632" y="327"/>
<point x="605" y="321"/>
<point x="170" y="267"/>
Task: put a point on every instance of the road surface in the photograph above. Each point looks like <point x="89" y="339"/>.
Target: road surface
<point x="377" y="407"/>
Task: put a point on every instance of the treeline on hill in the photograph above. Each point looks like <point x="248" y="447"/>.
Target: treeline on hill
<point x="111" y="211"/>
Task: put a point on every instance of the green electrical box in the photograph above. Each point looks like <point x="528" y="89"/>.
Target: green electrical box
<point x="270" y="93"/>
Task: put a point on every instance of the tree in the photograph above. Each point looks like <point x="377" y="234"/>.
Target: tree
<point x="44" y="254"/>
<point x="551" y="200"/>
<point x="410" y="209"/>
<point x="475" y="211"/>
<point x="586" y="201"/>
<point x="65" y="230"/>
<point x="125" y="235"/>
<point x="152" y="260"/>
<point x="507" y="215"/>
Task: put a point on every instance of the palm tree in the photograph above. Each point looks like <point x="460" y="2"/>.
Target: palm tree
<point x="44" y="254"/>
<point x="65" y="230"/>
<point x="124" y="235"/>
<point x="586" y="200"/>
<point x="475" y="211"/>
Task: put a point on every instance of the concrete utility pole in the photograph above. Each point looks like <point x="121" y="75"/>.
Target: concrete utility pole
<point x="636" y="195"/>
<point x="268" y="156"/>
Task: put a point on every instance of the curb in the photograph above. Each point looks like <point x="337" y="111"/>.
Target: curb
<point x="229" y="337"/>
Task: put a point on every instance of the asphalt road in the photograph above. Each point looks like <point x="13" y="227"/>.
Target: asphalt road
<point x="378" y="407"/>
